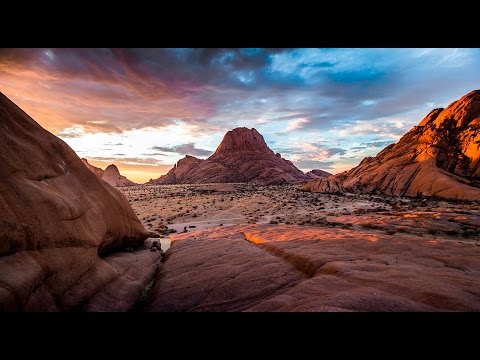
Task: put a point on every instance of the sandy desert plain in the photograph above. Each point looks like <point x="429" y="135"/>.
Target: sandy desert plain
<point x="205" y="206"/>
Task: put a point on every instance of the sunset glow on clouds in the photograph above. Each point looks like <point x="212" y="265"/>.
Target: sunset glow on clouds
<point x="144" y="109"/>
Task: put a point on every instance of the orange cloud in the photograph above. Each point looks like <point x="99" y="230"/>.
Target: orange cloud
<point x="97" y="100"/>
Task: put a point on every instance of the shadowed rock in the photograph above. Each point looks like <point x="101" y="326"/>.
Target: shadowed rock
<point x="96" y="170"/>
<point x="57" y="218"/>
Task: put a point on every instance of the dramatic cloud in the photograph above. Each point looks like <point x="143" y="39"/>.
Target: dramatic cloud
<point x="376" y="144"/>
<point x="348" y="100"/>
<point x="336" y="151"/>
<point x="184" y="149"/>
<point x="315" y="164"/>
<point x="131" y="161"/>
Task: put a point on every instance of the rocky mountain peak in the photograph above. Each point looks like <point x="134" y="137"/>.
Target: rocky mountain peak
<point x="242" y="139"/>
<point x="242" y="156"/>
<point x="112" y="169"/>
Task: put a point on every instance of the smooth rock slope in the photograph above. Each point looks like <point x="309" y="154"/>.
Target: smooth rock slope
<point x="57" y="220"/>
<point x="440" y="157"/>
<point x="305" y="268"/>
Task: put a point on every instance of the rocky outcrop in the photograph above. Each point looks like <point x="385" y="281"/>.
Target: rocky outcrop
<point x="110" y="175"/>
<point x="242" y="156"/>
<point x="302" y="268"/>
<point x="440" y="157"/>
<point x="324" y="185"/>
<point x="315" y="174"/>
<point x="58" y="219"/>
<point x="96" y="170"/>
<point x="178" y="172"/>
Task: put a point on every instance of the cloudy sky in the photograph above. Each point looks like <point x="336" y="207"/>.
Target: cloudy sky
<point x="144" y="109"/>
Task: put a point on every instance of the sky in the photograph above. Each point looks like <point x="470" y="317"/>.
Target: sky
<point x="144" y="109"/>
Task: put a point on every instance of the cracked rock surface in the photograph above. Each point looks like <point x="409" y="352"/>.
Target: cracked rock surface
<point x="302" y="268"/>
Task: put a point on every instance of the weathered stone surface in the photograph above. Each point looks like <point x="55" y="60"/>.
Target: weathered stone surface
<point x="128" y="274"/>
<point x="57" y="216"/>
<point x="217" y="272"/>
<point x="299" y="268"/>
<point x="324" y="185"/>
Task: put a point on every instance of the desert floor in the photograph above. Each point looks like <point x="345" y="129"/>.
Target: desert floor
<point x="199" y="207"/>
<point x="240" y="247"/>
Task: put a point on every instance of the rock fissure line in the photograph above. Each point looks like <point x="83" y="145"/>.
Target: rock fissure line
<point x="300" y="263"/>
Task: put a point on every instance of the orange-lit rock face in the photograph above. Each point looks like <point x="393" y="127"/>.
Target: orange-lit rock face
<point x="299" y="268"/>
<point x="439" y="157"/>
<point x="241" y="139"/>
<point x="324" y="185"/>
<point x="242" y="156"/>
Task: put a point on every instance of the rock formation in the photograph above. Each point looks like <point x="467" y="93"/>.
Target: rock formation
<point x="96" y="170"/>
<point x="110" y="175"/>
<point x="440" y="157"/>
<point x="324" y="185"/>
<point x="306" y="268"/>
<point x="58" y="221"/>
<point x="176" y="174"/>
<point x="315" y="174"/>
<point x="242" y="156"/>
